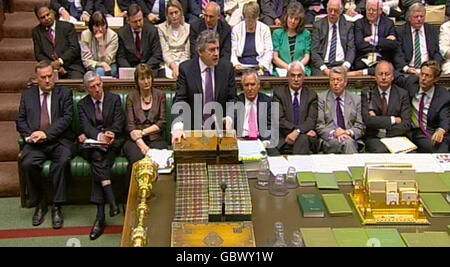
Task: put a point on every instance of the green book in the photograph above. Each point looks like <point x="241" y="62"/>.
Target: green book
<point x="445" y="177"/>
<point x="431" y="183"/>
<point x="306" y="179"/>
<point x="351" y="237"/>
<point x="326" y="181"/>
<point x="318" y="237"/>
<point x="415" y="239"/>
<point x="357" y="173"/>
<point x="435" y="204"/>
<point x="438" y="239"/>
<point x="343" y="178"/>
<point x="337" y="204"/>
<point x="311" y="205"/>
<point x="448" y="229"/>
<point x="385" y="237"/>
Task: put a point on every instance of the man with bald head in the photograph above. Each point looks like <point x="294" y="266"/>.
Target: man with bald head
<point x="333" y="42"/>
<point x="386" y="109"/>
<point x="374" y="39"/>
<point x="211" y="21"/>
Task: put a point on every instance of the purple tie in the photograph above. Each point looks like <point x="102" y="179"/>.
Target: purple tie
<point x="420" y="117"/>
<point x="45" y="118"/>
<point x="296" y="106"/>
<point x="98" y="113"/>
<point x="339" y="115"/>
<point x="209" y="93"/>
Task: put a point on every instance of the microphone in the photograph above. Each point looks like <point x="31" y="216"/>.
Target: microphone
<point x="223" y="187"/>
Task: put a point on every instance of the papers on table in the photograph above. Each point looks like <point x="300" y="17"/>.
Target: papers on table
<point x="164" y="159"/>
<point x="399" y="144"/>
<point x="251" y="150"/>
<point x="278" y="165"/>
<point x="302" y="163"/>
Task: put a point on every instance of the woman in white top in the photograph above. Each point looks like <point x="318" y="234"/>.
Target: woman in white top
<point x="99" y="46"/>
<point x="251" y="43"/>
<point x="174" y="37"/>
<point x="444" y="45"/>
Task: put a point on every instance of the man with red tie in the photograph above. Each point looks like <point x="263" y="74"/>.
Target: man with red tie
<point x="44" y="122"/>
<point x="57" y="42"/>
<point x="430" y="105"/>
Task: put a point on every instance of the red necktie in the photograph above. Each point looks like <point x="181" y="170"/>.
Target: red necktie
<point x="45" y="118"/>
<point x="138" y="45"/>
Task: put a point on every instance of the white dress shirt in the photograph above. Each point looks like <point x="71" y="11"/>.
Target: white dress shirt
<point x="340" y="55"/>
<point x="423" y="48"/>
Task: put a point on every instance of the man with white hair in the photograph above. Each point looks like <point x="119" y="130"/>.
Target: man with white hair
<point x="374" y="39"/>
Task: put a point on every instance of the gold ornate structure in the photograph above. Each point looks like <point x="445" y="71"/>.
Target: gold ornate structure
<point x="388" y="194"/>
<point x="146" y="173"/>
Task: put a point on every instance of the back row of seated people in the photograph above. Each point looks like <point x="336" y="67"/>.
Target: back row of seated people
<point x="249" y="44"/>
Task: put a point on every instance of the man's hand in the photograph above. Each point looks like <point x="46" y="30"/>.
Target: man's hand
<point x="368" y="39"/>
<point x="341" y="138"/>
<point x="228" y="124"/>
<point x="398" y="120"/>
<point x="82" y="138"/>
<point x="412" y="71"/>
<point x="65" y="15"/>
<point x="338" y="132"/>
<point x="372" y="113"/>
<point x="326" y="72"/>
<point x="391" y="37"/>
<point x="317" y="8"/>
<point x="38" y="137"/>
<point x="438" y="137"/>
<point x="292" y="137"/>
<point x="311" y="133"/>
<point x="85" y="17"/>
<point x="238" y="68"/>
<point x="177" y="135"/>
<point x="175" y="70"/>
<point x="56" y="65"/>
<point x="135" y="135"/>
<point x="109" y="137"/>
<point x="105" y="66"/>
<point x="352" y="13"/>
<point x="153" y="18"/>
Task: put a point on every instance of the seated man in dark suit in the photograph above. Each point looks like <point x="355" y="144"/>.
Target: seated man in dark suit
<point x="417" y="41"/>
<point x="312" y="9"/>
<point x="79" y="9"/>
<point x="139" y="43"/>
<point x="272" y="11"/>
<point x="333" y="42"/>
<point x="298" y="113"/>
<point x="204" y="81"/>
<point x="45" y="123"/>
<point x="154" y="10"/>
<point x="108" y="7"/>
<point x="339" y="123"/>
<point x="430" y="105"/>
<point x="385" y="108"/>
<point x="253" y="119"/>
<point x="211" y="20"/>
<point x="374" y="39"/>
<point x="57" y="42"/>
<point x="101" y="119"/>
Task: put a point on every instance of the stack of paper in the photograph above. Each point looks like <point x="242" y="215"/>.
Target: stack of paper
<point x="251" y="150"/>
<point x="278" y="165"/>
<point x="399" y="144"/>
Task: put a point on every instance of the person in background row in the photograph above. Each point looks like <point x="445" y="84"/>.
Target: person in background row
<point x="292" y="42"/>
<point x="251" y="43"/>
<point x="272" y="12"/>
<point x="57" y="42"/>
<point x="81" y="10"/>
<point x="111" y="9"/>
<point x="174" y="36"/>
<point x="101" y="119"/>
<point x="45" y="123"/>
<point x="444" y="45"/>
<point x="99" y="46"/>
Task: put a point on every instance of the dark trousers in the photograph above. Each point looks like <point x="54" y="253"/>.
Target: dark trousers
<point x="359" y="65"/>
<point x="133" y="152"/>
<point x="33" y="158"/>
<point x="374" y="145"/>
<point x="424" y="144"/>
<point x="304" y="145"/>
<point x="72" y="74"/>
<point x="101" y="164"/>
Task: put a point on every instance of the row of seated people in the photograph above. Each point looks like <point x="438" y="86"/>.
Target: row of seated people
<point x="333" y="42"/>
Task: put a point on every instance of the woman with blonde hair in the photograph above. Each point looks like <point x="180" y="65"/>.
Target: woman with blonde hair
<point x="174" y="38"/>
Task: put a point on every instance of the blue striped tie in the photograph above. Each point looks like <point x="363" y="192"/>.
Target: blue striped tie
<point x="332" y="56"/>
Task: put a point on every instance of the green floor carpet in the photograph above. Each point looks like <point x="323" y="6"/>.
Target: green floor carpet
<point x="62" y="241"/>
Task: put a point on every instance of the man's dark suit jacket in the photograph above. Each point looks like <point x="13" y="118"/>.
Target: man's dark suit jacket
<point x="224" y="32"/>
<point x="113" y="118"/>
<point x="269" y="11"/>
<point x="29" y="117"/>
<point x="438" y="114"/>
<point x="398" y="106"/>
<point x="308" y="111"/>
<point x="320" y="41"/>
<point x="405" y="41"/>
<point x="196" y="7"/>
<point x="190" y="82"/>
<point x="151" y="47"/>
<point x="385" y="47"/>
<point x="88" y="5"/>
<point x="107" y="6"/>
<point x="240" y="116"/>
<point x="67" y="46"/>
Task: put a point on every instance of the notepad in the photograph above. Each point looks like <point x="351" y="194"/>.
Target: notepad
<point x="318" y="237"/>
<point x="386" y="237"/>
<point x="431" y="183"/>
<point x="435" y="204"/>
<point x="343" y="178"/>
<point x="351" y="237"/>
<point x="306" y="179"/>
<point x="326" y="181"/>
<point x="337" y="204"/>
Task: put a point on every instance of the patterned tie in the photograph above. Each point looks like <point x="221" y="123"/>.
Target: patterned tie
<point x="296" y="106"/>
<point x="51" y="36"/>
<point x="253" y="129"/>
<point x="138" y="45"/>
<point x="209" y="92"/>
<point x="204" y="3"/>
<point x="45" y="118"/>
<point x="339" y="114"/>
<point x="417" y="55"/>
<point x="421" y="117"/>
<point x="98" y="113"/>
<point x="384" y="105"/>
<point x="332" y="56"/>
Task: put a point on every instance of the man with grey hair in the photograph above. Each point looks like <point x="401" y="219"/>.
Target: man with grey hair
<point x="339" y="124"/>
<point x="211" y="21"/>
<point x="298" y="113"/>
<point x="333" y="42"/>
<point x="417" y="41"/>
<point x="102" y="122"/>
<point x="374" y="39"/>
<point x="206" y="76"/>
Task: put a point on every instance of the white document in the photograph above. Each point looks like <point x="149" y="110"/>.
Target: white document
<point x="353" y="19"/>
<point x="114" y="21"/>
<point x="94" y="142"/>
<point x="399" y="144"/>
<point x="302" y="163"/>
<point x="251" y="150"/>
<point x="443" y="160"/>
<point x="278" y="165"/>
<point x="164" y="159"/>
<point x="126" y="73"/>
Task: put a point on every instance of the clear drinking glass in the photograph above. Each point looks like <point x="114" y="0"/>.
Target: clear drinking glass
<point x="278" y="187"/>
<point x="263" y="175"/>
<point x="291" y="178"/>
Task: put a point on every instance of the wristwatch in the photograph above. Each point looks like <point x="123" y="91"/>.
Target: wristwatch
<point x="299" y="131"/>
